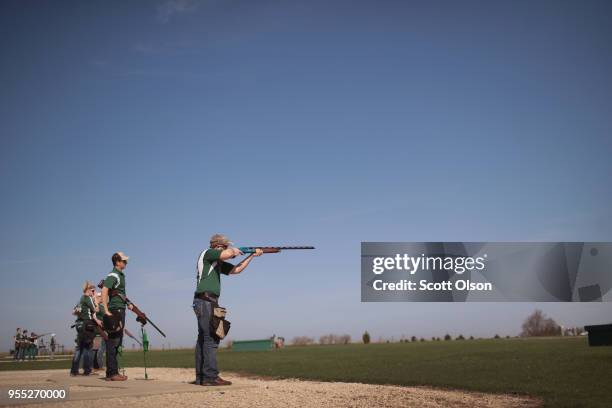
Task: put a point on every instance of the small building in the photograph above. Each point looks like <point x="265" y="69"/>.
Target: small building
<point x="600" y="335"/>
<point x="253" y="345"/>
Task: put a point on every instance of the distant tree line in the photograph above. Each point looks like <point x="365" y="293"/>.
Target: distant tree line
<point x="326" y="339"/>
<point x="302" y="341"/>
<point x="536" y="324"/>
<point x="335" y="339"/>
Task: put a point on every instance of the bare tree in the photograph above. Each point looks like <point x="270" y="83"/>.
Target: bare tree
<point x="345" y="339"/>
<point x="335" y="339"/>
<point x="302" y="341"/>
<point x="537" y="324"/>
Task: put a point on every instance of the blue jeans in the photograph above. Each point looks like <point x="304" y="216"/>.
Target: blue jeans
<point x="113" y="344"/>
<point x="206" y="347"/>
<point x="100" y="354"/>
<point x="112" y="351"/>
<point x="82" y="349"/>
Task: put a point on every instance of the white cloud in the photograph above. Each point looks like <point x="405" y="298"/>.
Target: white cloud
<point x="171" y="8"/>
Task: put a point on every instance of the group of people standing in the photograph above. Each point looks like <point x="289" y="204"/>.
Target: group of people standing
<point x="105" y="313"/>
<point x="27" y="345"/>
<point x="100" y="322"/>
<point x="89" y="345"/>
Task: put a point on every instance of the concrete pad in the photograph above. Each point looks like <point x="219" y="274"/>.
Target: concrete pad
<point x="249" y="392"/>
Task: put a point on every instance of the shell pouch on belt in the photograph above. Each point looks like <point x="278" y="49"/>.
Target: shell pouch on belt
<point x="112" y="324"/>
<point x="219" y="327"/>
<point x="85" y="331"/>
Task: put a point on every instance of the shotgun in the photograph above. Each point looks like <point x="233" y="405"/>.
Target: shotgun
<point x="140" y="316"/>
<point x="270" y="249"/>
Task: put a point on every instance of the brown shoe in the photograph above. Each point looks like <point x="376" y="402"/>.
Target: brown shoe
<point x="116" y="377"/>
<point x="216" y="382"/>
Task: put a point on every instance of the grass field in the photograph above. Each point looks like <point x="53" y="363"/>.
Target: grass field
<point x="564" y="372"/>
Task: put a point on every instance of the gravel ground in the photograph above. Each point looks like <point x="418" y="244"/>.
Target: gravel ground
<point x="296" y="393"/>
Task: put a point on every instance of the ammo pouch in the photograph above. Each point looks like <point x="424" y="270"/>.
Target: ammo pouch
<point x="85" y="326"/>
<point x="86" y="330"/>
<point x="79" y="326"/>
<point x="219" y="312"/>
<point x="219" y="327"/>
<point x="112" y="324"/>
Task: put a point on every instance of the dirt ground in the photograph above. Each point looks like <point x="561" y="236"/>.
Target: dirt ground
<point x="255" y="392"/>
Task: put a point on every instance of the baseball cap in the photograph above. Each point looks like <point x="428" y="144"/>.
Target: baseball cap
<point x="123" y="256"/>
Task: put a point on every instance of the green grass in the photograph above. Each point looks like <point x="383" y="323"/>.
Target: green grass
<point x="563" y="372"/>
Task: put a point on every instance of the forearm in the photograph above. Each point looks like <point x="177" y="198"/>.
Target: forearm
<point x="226" y="254"/>
<point x="242" y="265"/>
<point x="105" y="299"/>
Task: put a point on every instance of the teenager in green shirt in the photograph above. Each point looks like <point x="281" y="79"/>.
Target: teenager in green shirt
<point x="85" y="331"/>
<point x="113" y="299"/>
<point x="210" y="266"/>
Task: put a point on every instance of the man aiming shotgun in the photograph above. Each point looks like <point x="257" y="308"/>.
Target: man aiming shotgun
<point x="210" y="265"/>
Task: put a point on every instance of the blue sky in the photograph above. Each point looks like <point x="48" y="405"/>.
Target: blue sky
<point x="148" y="126"/>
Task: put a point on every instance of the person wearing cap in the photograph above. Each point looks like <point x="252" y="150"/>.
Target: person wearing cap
<point x="210" y="265"/>
<point x="85" y="331"/>
<point x="113" y="299"/>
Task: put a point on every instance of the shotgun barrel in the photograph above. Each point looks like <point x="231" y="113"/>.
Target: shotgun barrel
<point x="270" y="249"/>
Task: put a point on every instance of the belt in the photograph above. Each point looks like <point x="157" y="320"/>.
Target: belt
<point x="208" y="296"/>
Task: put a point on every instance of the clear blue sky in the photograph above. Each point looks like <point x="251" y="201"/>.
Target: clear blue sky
<point x="147" y="126"/>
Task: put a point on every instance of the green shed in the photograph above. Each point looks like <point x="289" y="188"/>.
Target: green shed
<point x="600" y="335"/>
<point x="253" y="345"/>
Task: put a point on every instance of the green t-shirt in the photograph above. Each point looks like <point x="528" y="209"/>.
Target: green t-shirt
<point x="115" y="281"/>
<point x="209" y="269"/>
<point x="101" y="311"/>
<point x="88" y="309"/>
